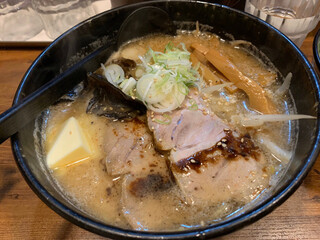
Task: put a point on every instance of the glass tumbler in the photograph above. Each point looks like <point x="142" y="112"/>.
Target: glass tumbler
<point x="60" y="15"/>
<point x="18" y="21"/>
<point x="295" y="18"/>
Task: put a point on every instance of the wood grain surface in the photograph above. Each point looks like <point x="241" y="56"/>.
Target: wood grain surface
<point x="24" y="216"/>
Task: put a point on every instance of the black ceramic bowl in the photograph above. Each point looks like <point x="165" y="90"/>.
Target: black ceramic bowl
<point x="102" y="30"/>
<point x="316" y="51"/>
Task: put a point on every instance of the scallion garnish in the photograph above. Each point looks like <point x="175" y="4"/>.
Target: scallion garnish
<point x="166" y="121"/>
<point x="193" y="105"/>
<point x="169" y="76"/>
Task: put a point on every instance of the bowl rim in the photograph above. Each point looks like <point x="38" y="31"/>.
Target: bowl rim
<point x="315" y="48"/>
<point x="262" y="209"/>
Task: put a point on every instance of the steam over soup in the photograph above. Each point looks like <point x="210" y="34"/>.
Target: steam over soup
<point x="172" y="133"/>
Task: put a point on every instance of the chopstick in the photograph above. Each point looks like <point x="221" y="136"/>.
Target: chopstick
<point x="16" y="117"/>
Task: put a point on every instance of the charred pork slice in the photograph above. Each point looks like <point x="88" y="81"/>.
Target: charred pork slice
<point x="223" y="180"/>
<point x="233" y="172"/>
<point x="144" y="172"/>
<point x="142" y="189"/>
<point x="144" y="201"/>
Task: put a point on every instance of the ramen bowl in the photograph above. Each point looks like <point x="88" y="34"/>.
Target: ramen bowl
<point x="316" y="51"/>
<point x="101" y="30"/>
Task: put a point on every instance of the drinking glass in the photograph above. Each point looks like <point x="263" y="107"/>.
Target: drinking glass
<point x="60" y="15"/>
<point x="295" y="18"/>
<point x="18" y="21"/>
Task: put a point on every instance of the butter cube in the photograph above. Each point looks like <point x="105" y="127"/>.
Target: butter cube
<point x="70" y="146"/>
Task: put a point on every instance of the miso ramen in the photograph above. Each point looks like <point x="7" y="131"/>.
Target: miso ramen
<point x="191" y="144"/>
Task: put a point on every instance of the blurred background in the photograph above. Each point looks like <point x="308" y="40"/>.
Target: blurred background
<point x="38" y="22"/>
<point x="41" y="21"/>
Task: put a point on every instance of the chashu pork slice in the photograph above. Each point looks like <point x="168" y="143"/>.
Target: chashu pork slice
<point x="144" y="202"/>
<point x="142" y="192"/>
<point x="129" y="148"/>
<point x="194" y="130"/>
<point x="144" y="173"/>
<point x="191" y="129"/>
<point x="191" y="126"/>
<point x="163" y="132"/>
<point x="223" y="180"/>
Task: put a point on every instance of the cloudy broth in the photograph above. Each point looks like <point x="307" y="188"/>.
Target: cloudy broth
<point x="91" y="187"/>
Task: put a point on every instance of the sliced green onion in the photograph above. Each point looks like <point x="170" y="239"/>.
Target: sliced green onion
<point x="193" y="105"/>
<point x="167" y="78"/>
<point x="128" y="85"/>
<point x="167" y="120"/>
<point x="168" y="47"/>
<point x="113" y="73"/>
<point x="183" y="89"/>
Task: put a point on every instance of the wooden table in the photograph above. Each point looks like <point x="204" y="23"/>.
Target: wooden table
<point x="24" y="216"/>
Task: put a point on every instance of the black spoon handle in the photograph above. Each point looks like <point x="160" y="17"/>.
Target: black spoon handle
<point x="144" y="21"/>
<point x="16" y="117"/>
